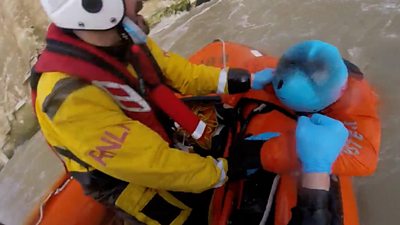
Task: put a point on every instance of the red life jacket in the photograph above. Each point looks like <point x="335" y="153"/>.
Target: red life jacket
<point x="138" y="98"/>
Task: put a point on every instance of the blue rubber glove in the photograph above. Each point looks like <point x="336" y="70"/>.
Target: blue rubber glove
<point x="262" y="78"/>
<point x="319" y="140"/>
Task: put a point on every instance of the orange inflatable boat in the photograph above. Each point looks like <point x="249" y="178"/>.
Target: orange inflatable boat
<point x="357" y="109"/>
<point x="68" y="205"/>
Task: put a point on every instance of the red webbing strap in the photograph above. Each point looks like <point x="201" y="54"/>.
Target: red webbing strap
<point x="160" y="94"/>
<point x="82" y="69"/>
<point x="167" y="101"/>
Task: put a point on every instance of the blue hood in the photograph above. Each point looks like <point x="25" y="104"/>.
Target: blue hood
<point x="310" y="76"/>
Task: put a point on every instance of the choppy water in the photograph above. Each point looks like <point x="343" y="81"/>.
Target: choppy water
<point x="366" y="31"/>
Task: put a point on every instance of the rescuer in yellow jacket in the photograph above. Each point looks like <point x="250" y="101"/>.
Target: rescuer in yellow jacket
<point x="106" y="128"/>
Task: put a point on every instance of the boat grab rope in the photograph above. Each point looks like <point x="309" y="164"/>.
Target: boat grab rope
<point x="270" y="200"/>
<point x="54" y="193"/>
<point x="223" y="51"/>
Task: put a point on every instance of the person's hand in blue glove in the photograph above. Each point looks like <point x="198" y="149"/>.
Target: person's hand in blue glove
<point x="261" y="79"/>
<point x="319" y="140"/>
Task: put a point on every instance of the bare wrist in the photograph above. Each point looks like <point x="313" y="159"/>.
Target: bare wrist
<point x="318" y="181"/>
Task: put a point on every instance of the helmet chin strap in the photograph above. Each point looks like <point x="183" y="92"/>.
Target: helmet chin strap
<point x="134" y="31"/>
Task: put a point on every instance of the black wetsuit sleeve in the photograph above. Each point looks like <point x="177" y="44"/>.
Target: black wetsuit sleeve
<point x="312" y="208"/>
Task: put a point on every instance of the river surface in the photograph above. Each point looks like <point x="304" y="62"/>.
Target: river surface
<point x="366" y="31"/>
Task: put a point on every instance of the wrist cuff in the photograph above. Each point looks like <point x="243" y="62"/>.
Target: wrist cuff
<point x="238" y="81"/>
<point x="223" y="177"/>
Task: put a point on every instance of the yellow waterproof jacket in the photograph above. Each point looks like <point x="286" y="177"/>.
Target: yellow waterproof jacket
<point x="83" y="117"/>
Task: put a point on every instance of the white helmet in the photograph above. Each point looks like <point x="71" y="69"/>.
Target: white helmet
<point x="85" y="14"/>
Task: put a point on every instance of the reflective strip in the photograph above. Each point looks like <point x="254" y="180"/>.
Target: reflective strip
<point x="132" y="96"/>
<point x="223" y="78"/>
<point x="201" y="127"/>
<point x="256" y="53"/>
<point x="222" y="178"/>
<point x="177" y="125"/>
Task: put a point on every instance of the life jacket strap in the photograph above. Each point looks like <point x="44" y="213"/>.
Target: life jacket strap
<point x="68" y="154"/>
<point x="352" y="68"/>
<point x="71" y="50"/>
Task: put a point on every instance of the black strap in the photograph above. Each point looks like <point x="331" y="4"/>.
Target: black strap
<point x="241" y="122"/>
<point x="100" y="186"/>
<point x="34" y="79"/>
<point x="269" y="105"/>
<point x="68" y="154"/>
<point x="262" y="108"/>
<point x="336" y="201"/>
<point x="203" y="99"/>
<point x="352" y="68"/>
<point x="159" y="72"/>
